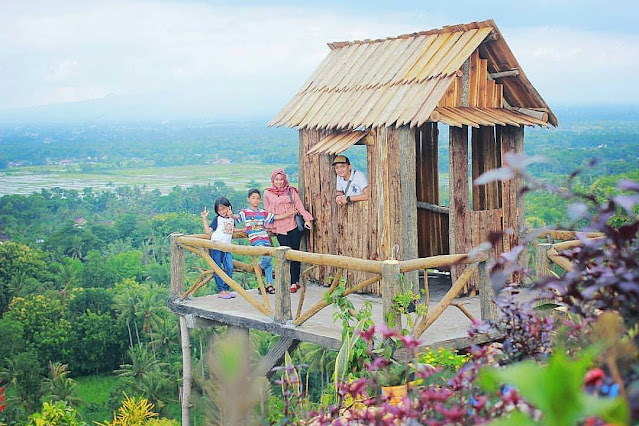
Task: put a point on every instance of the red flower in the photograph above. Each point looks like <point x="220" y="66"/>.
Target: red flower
<point x="594" y="377"/>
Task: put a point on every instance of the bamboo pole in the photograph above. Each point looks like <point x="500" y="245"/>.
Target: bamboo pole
<point x="185" y="397"/>
<point x="559" y="259"/>
<point x="199" y="284"/>
<point x="304" y="280"/>
<point x="567" y="245"/>
<point x="446" y="301"/>
<point x="463" y="311"/>
<point x="440" y="261"/>
<point x="323" y="303"/>
<point x="563" y="235"/>
<point x="336" y="261"/>
<point x="204" y="254"/>
<point x="260" y="283"/>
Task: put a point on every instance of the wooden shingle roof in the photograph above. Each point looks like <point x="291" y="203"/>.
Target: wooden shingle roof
<point x="414" y="78"/>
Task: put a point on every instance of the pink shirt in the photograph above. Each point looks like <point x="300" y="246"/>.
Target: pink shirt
<point x="282" y="204"/>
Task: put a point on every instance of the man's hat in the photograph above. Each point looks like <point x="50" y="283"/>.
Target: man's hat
<point x="341" y="159"/>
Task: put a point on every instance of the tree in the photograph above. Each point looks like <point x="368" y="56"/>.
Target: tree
<point x="98" y="344"/>
<point x="12" y="333"/>
<point x="18" y="263"/>
<point x="22" y="374"/>
<point x="96" y="271"/>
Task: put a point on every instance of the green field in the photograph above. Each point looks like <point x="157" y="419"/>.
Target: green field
<point x="26" y="180"/>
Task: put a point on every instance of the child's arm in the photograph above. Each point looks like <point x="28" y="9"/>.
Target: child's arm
<point x="285" y="215"/>
<point x="205" y="224"/>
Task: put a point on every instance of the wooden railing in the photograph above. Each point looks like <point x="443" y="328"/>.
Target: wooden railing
<point x="551" y="250"/>
<point x="388" y="272"/>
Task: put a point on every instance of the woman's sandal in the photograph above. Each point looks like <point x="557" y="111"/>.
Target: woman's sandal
<point x="295" y="287"/>
<point x="269" y="289"/>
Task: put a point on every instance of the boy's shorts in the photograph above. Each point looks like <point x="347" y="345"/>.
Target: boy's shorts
<point x="265" y="262"/>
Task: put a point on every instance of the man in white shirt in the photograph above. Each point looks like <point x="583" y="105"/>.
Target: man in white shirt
<point x="352" y="185"/>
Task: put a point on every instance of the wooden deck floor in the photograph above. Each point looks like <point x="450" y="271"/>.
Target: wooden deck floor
<point x="449" y="330"/>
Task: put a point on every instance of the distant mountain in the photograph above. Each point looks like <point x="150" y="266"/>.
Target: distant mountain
<point x="156" y="107"/>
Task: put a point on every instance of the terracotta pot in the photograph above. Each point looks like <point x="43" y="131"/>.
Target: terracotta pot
<point x="395" y="393"/>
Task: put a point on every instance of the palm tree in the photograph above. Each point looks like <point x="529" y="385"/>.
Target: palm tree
<point x="142" y="364"/>
<point x="165" y="334"/>
<point x="60" y="387"/>
<point x="125" y="303"/>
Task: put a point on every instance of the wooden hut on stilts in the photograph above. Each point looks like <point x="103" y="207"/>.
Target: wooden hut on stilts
<point x="390" y="95"/>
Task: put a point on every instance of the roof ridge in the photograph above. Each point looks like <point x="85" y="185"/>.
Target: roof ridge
<point x="445" y="29"/>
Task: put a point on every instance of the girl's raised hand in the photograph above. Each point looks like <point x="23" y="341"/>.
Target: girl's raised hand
<point x="204" y="213"/>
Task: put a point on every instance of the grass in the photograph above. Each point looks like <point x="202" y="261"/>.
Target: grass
<point x="26" y="180"/>
<point x="94" y="390"/>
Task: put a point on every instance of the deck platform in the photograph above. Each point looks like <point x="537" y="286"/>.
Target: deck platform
<point x="449" y="330"/>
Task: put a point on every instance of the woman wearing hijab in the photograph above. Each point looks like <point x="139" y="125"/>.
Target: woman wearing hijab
<point x="282" y="198"/>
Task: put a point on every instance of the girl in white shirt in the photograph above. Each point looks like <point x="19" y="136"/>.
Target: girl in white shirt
<point x="222" y="230"/>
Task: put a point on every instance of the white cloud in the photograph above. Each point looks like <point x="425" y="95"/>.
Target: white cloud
<point x="575" y="66"/>
<point x="251" y="57"/>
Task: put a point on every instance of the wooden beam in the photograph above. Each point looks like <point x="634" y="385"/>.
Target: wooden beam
<point x="275" y="356"/>
<point x="185" y="396"/>
<point x="465" y="89"/>
<point x="459" y="217"/>
<point x="510" y="73"/>
<point x="176" y="286"/>
<point x="542" y="262"/>
<point x="539" y="115"/>
<point x="390" y="288"/>
<point x="487" y="305"/>
<point x="432" y="207"/>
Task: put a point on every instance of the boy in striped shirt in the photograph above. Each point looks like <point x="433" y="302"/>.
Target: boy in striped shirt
<point x="256" y="221"/>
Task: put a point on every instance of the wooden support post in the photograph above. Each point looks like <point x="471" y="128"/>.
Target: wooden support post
<point x="282" y="284"/>
<point x="275" y="356"/>
<point x="185" y="396"/>
<point x="487" y="305"/>
<point x="176" y="286"/>
<point x="542" y="262"/>
<point x="408" y="203"/>
<point x="459" y="217"/>
<point x="390" y="288"/>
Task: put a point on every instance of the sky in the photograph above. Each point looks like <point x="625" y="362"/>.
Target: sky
<point x="248" y="58"/>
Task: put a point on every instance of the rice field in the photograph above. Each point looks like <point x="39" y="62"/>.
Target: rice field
<point x="26" y="180"/>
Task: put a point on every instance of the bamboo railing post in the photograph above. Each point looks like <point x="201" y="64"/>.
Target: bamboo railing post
<point x="542" y="262"/>
<point x="282" y="285"/>
<point x="176" y="286"/>
<point x="185" y="395"/>
<point x="390" y="286"/>
<point x="487" y="305"/>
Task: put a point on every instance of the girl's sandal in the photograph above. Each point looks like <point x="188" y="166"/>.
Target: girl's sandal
<point x="269" y="289"/>
<point x="295" y="287"/>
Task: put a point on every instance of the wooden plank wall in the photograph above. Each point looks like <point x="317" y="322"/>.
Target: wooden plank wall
<point x="511" y="138"/>
<point x="432" y="228"/>
<point x="486" y="155"/>
<point x="482" y="92"/>
<point x="349" y="230"/>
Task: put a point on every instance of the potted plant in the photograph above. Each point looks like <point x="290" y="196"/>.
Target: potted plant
<point x="393" y="379"/>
